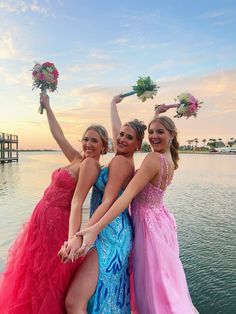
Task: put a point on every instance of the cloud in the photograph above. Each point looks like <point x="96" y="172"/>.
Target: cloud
<point x="92" y="67"/>
<point x="22" y="78"/>
<point x="150" y="45"/>
<point x="20" y="6"/>
<point x="12" y="46"/>
<point x="99" y="54"/>
<point x="220" y="18"/>
<point x="121" y="41"/>
<point x="7" y="49"/>
<point x="214" y="14"/>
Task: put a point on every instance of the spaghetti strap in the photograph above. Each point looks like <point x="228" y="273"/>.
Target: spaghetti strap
<point x="167" y="172"/>
<point x="163" y="163"/>
<point x="161" y="175"/>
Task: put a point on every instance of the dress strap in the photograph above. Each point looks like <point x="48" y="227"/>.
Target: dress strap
<point x="161" y="174"/>
<point x="167" y="172"/>
<point x="163" y="164"/>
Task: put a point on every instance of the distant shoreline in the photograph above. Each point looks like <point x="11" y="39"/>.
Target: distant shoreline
<point x="180" y="151"/>
<point x="38" y="150"/>
<point x="206" y="152"/>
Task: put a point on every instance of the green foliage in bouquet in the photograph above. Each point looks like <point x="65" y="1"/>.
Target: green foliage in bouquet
<point x="145" y="87"/>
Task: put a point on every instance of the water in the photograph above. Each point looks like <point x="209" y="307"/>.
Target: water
<point x="202" y="197"/>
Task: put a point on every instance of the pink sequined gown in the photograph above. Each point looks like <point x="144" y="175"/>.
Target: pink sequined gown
<point x="34" y="280"/>
<point x="159" y="280"/>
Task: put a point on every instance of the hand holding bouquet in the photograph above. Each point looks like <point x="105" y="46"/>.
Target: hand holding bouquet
<point x="188" y="106"/>
<point x="45" y="77"/>
<point x="144" y="89"/>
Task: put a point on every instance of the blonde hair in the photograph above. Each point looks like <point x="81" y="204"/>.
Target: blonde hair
<point x="168" y="123"/>
<point x="102" y="132"/>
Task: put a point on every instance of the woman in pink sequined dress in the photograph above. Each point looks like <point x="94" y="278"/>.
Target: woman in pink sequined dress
<point x="35" y="281"/>
<point x="160" y="285"/>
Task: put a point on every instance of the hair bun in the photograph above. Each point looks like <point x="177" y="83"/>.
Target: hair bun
<point x="139" y="128"/>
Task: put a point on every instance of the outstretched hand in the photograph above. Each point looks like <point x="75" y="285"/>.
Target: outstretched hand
<point x="89" y="236"/>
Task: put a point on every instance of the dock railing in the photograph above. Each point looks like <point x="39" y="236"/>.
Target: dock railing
<point x="8" y="147"/>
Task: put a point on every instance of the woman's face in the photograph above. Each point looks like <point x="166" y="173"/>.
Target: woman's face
<point x="159" y="137"/>
<point x="92" y="144"/>
<point x="127" y="141"/>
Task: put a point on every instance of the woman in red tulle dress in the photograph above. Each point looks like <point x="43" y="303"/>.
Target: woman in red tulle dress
<point x="34" y="279"/>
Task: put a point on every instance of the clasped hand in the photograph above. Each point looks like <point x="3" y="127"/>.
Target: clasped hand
<point x="78" y="245"/>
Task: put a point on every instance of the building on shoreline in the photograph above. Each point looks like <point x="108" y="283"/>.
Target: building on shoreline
<point x="8" y="147"/>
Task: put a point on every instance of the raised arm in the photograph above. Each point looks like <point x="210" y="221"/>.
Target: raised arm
<point x="120" y="173"/>
<point x="115" y="119"/>
<point x="149" y="168"/>
<point x="57" y="133"/>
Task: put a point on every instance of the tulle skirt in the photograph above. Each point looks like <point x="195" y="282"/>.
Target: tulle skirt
<point x="35" y="281"/>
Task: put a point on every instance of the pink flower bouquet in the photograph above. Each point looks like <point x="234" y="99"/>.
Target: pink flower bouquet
<point x="187" y="106"/>
<point x="45" y="77"/>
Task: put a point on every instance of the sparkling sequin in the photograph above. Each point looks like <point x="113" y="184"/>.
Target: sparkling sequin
<point x="113" y="246"/>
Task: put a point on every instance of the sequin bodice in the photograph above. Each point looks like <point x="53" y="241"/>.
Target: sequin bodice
<point x="150" y="198"/>
<point x="149" y="202"/>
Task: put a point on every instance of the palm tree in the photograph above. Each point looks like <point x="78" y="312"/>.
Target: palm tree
<point x="204" y="142"/>
<point x="196" y="142"/>
<point x="190" y="143"/>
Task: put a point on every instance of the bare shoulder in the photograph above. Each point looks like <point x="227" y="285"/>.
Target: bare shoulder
<point x="122" y="163"/>
<point x="90" y="162"/>
<point x="153" y="158"/>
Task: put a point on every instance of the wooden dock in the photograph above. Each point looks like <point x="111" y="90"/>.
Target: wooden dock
<point x="8" y="147"/>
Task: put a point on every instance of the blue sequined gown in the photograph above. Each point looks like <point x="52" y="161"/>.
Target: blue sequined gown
<point x="113" y="244"/>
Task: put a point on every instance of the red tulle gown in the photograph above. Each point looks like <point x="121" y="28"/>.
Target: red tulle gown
<point x="35" y="280"/>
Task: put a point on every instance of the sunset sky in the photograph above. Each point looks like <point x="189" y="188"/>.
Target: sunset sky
<point x="100" y="48"/>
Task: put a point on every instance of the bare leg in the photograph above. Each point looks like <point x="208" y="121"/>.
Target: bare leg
<point x="83" y="285"/>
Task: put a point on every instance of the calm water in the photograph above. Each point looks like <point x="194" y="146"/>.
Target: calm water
<point x="202" y="197"/>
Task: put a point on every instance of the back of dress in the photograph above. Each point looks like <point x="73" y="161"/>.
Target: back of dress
<point x="148" y="204"/>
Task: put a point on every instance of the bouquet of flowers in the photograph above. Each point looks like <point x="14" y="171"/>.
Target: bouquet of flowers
<point x="187" y="106"/>
<point x="144" y="89"/>
<point x="45" y="77"/>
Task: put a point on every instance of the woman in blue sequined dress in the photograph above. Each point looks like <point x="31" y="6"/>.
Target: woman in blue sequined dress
<point x="101" y="284"/>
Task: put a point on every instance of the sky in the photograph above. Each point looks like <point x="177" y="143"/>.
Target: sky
<point x="101" y="47"/>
